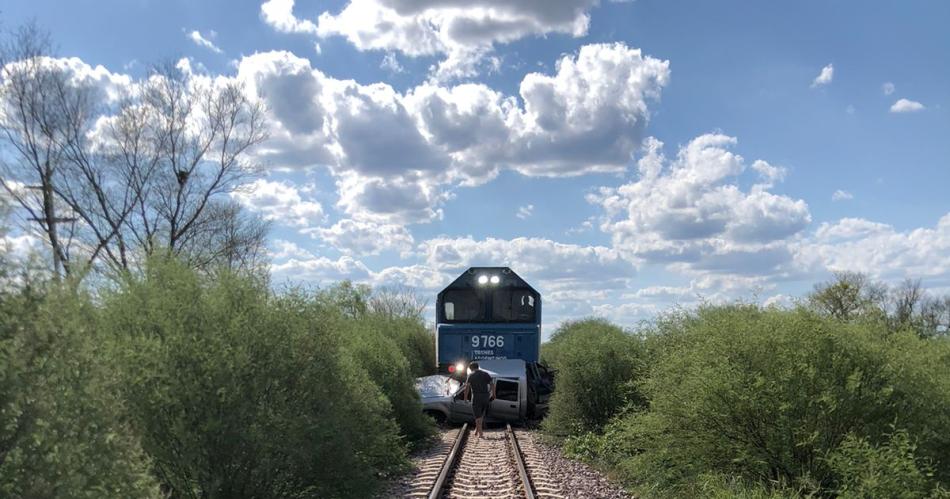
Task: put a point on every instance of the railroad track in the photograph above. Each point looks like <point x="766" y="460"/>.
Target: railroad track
<point x="502" y="464"/>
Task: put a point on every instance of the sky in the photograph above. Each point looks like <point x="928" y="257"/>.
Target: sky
<point x="623" y="157"/>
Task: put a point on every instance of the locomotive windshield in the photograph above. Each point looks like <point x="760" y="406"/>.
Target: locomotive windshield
<point x="504" y="305"/>
<point x="463" y="305"/>
<point x="513" y="305"/>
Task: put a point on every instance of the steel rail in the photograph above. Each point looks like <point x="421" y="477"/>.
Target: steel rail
<point x="519" y="460"/>
<point x="449" y="463"/>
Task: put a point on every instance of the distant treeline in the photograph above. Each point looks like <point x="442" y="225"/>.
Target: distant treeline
<point x="845" y="394"/>
<point x="175" y="383"/>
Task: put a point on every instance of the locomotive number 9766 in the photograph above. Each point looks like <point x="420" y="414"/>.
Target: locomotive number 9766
<point x="488" y="341"/>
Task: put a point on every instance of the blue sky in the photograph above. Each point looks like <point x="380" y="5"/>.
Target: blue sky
<point x="797" y="138"/>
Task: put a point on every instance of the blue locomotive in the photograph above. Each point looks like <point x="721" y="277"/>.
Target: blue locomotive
<point x="487" y="313"/>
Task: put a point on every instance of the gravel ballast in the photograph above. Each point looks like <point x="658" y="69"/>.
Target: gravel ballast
<point x="576" y="479"/>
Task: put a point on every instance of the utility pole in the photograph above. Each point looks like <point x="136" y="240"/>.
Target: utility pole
<point x="49" y="221"/>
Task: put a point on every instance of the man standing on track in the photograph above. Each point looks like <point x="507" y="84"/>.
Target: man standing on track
<point x="483" y="392"/>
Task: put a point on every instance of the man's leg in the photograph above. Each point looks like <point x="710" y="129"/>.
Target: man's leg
<point x="478" y="426"/>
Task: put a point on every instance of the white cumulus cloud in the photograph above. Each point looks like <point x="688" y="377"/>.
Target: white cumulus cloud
<point x="462" y="33"/>
<point x="540" y="259"/>
<point x="420" y="277"/>
<point x="525" y="212"/>
<point x="19" y="247"/>
<point x="841" y="195"/>
<point x="201" y="41"/>
<point x="391" y="63"/>
<point x="320" y="269"/>
<point x="281" y="249"/>
<point x="108" y="87"/>
<point x="355" y="237"/>
<point x="825" y="77"/>
<point x="689" y="209"/>
<point x="906" y="106"/>
<point x="879" y="250"/>
<point x="279" y="15"/>
<point x="280" y="202"/>
<point x="397" y="156"/>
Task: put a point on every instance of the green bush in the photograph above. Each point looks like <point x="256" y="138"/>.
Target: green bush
<point x="378" y="354"/>
<point x="717" y="486"/>
<point x="889" y="470"/>
<point x="63" y="433"/>
<point x="390" y="316"/>
<point x="589" y="447"/>
<point x="414" y="340"/>
<point x="392" y="350"/>
<point x="766" y="395"/>
<point x="597" y="365"/>
<point x="240" y="393"/>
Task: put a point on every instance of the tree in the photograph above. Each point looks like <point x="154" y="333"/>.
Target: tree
<point x="935" y="316"/>
<point x="115" y="182"/>
<point x="907" y="300"/>
<point x="228" y="237"/>
<point x="194" y="137"/>
<point x="398" y="302"/>
<point x="348" y="298"/>
<point x="34" y="123"/>
<point x="848" y="295"/>
<point x="914" y="309"/>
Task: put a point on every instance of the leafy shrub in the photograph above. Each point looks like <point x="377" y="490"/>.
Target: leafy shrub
<point x="889" y="470"/>
<point x="596" y="364"/>
<point x="393" y="350"/>
<point x="588" y="447"/>
<point x="239" y="393"/>
<point x="414" y="340"/>
<point x="765" y="395"/>
<point x="718" y="486"/>
<point x="63" y="433"/>
<point x="390" y="316"/>
<point x="378" y="354"/>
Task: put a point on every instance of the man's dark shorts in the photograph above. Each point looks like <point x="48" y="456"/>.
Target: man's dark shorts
<point x="480" y="402"/>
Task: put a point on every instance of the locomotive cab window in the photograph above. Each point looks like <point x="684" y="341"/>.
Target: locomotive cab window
<point x="459" y="305"/>
<point x="513" y="305"/>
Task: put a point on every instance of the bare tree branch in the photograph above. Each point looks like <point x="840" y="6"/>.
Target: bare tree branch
<point x="155" y="178"/>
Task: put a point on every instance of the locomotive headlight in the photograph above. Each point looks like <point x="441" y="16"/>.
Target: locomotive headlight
<point x="483" y="279"/>
<point x="495" y="279"/>
<point x="460" y="367"/>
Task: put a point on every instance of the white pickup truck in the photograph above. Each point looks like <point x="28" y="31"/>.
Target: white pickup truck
<point x="442" y="396"/>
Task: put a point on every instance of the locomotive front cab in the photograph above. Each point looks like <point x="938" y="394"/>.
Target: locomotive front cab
<point x="487" y="313"/>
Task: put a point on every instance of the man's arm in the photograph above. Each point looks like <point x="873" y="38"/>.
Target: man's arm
<point x="493" y="391"/>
